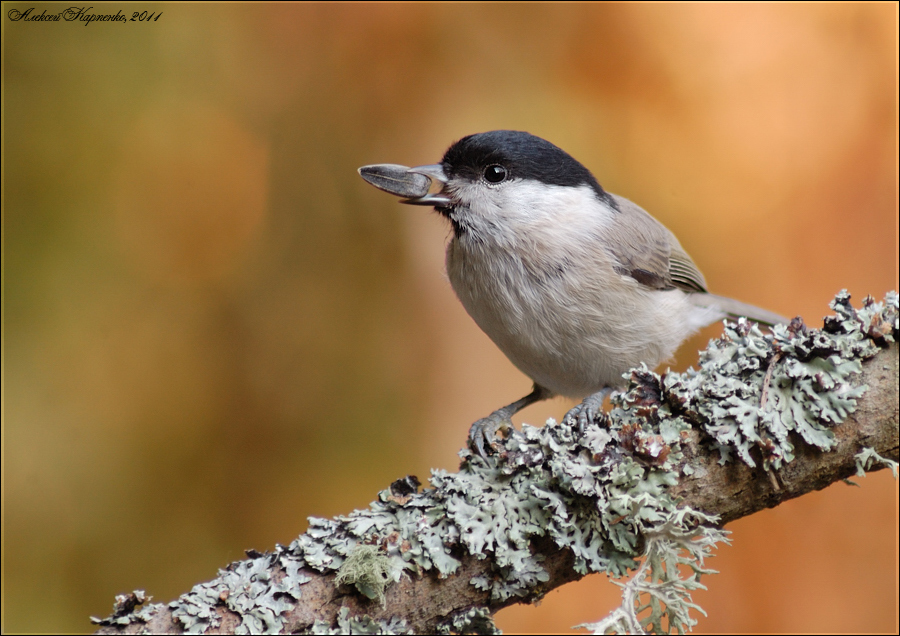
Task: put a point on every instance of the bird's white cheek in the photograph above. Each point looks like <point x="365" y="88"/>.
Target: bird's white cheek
<point x="530" y="213"/>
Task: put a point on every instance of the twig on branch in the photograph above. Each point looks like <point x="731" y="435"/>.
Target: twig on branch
<point x="677" y="457"/>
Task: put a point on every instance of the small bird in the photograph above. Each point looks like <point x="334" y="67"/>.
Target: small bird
<point x="576" y="285"/>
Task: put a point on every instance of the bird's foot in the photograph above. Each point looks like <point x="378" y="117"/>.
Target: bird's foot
<point x="590" y="410"/>
<point x="483" y="433"/>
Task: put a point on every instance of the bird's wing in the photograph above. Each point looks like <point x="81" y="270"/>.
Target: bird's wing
<point x="649" y="253"/>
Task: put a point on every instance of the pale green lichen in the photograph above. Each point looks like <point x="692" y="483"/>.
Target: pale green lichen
<point x="810" y="385"/>
<point x="368" y="569"/>
<point x="657" y="597"/>
<point x="347" y="624"/>
<point x="247" y="588"/>
<point x="867" y="456"/>
<point x="602" y="493"/>
<point x="126" y="612"/>
<point x="475" y="620"/>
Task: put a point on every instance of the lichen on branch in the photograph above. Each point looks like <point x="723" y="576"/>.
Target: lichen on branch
<point x="556" y="503"/>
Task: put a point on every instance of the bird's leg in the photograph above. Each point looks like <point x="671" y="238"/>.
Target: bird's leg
<point x="589" y="409"/>
<point x="485" y="430"/>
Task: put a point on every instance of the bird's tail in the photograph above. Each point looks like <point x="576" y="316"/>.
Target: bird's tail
<point x="736" y="309"/>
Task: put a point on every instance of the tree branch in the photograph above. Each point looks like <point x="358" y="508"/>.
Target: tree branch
<point x="555" y="504"/>
<point x="735" y="490"/>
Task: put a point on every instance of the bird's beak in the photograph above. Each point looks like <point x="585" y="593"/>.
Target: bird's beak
<point x="412" y="184"/>
<point x="435" y="172"/>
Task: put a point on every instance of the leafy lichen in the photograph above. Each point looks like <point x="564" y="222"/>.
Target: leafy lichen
<point x="248" y="588"/>
<point x="867" y="456"/>
<point x="126" y="612"/>
<point x="807" y="375"/>
<point x="475" y="620"/>
<point x="347" y="624"/>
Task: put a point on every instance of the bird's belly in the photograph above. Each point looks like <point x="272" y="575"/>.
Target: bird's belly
<point x="571" y="338"/>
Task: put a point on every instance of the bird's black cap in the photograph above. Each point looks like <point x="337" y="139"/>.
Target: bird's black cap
<point x="524" y="156"/>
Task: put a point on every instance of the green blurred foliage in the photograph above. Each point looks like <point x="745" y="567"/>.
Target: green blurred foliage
<point x="213" y="329"/>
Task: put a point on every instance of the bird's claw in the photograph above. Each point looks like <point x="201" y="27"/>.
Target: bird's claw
<point x="484" y="432"/>
<point x="589" y="411"/>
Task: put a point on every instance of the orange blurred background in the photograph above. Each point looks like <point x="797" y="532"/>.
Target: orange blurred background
<point x="213" y="328"/>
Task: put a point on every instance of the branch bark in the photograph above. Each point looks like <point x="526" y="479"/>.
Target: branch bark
<point x="730" y="491"/>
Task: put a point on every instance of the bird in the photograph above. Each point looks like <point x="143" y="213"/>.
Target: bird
<point x="574" y="284"/>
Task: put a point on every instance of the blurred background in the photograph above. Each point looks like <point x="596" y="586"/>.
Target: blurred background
<point x="213" y="328"/>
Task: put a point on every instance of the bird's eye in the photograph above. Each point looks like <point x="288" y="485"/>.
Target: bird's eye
<point x="494" y="174"/>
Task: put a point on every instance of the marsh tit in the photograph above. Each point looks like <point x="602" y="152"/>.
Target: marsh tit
<point x="576" y="285"/>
